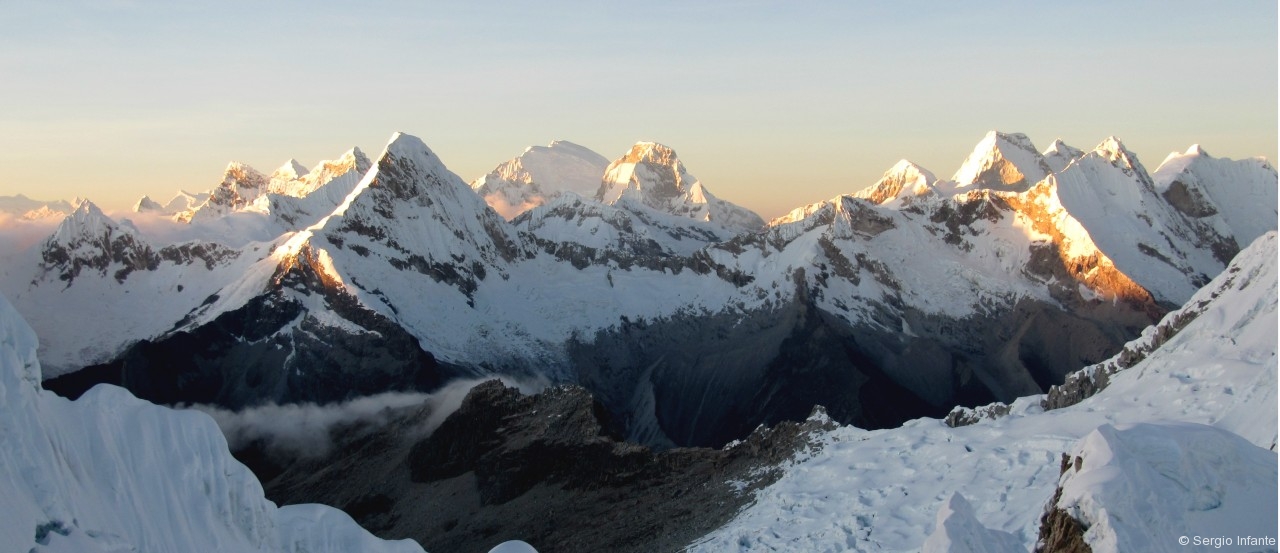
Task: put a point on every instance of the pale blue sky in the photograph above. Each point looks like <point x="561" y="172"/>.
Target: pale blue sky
<point x="772" y="104"/>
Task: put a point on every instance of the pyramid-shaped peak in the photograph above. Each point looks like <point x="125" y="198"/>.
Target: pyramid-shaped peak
<point x="902" y="181"/>
<point x="407" y="145"/>
<point x="86" y="220"/>
<point x="1017" y="139"/>
<point x="146" y="204"/>
<point x="650" y="169"/>
<point x="1113" y="150"/>
<point x="1002" y="161"/>
<point x="908" y="167"/>
<point x="1059" y="155"/>
<point x="1062" y="148"/>
<point x="290" y="170"/>
<point x="241" y="175"/>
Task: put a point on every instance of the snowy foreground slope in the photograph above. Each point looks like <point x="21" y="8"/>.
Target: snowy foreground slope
<point x="1176" y="445"/>
<point x="110" y="472"/>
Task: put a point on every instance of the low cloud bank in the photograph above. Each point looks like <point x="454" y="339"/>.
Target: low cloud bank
<point x="304" y="429"/>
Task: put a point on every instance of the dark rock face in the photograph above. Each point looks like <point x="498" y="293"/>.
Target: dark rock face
<point x="706" y="380"/>
<point x="538" y="468"/>
<point x="1059" y="533"/>
<point x="272" y="350"/>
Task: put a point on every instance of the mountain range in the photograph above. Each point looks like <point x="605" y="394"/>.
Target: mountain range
<point x="688" y="316"/>
<point x="665" y="321"/>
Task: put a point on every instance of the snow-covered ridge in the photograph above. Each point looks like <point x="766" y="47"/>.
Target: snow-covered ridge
<point x="112" y="473"/>
<point x="1141" y="487"/>
<point x="880" y="490"/>
<point x="22" y="207"/>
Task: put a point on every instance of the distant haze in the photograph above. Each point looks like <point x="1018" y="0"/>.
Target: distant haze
<point x="772" y="105"/>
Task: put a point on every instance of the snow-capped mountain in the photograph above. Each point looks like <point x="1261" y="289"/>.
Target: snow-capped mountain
<point x="1241" y="192"/>
<point x="183" y="201"/>
<point x="22" y="207"/>
<point x="241" y="185"/>
<point x="110" y="472"/>
<point x="1002" y="161"/>
<point x="1165" y="249"/>
<point x="940" y="295"/>
<point x="651" y="175"/>
<point x="303" y="200"/>
<point x="1059" y="155"/>
<point x="292" y="197"/>
<point x="540" y="174"/>
<point x="900" y="184"/>
<point x="92" y="260"/>
<point x="1210" y="389"/>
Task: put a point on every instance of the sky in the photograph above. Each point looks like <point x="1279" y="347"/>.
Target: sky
<point x="772" y="105"/>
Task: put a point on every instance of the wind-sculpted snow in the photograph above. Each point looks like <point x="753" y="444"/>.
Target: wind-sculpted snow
<point x="1136" y="488"/>
<point x="110" y="472"/>
<point x="958" y="531"/>
<point x="880" y="490"/>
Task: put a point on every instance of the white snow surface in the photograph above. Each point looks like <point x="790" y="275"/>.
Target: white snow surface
<point x="513" y="546"/>
<point x="900" y="184"/>
<point x="1242" y="191"/>
<point x="880" y="490"/>
<point x="143" y="305"/>
<point x="112" y="473"/>
<point x="1002" y="161"/>
<point x="1140" y="487"/>
<point x="1111" y="194"/>
<point x="539" y="174"/>
<point x="651" y="174"/>
<point x="420" y="247"/>
<point x="958" y="531"/>
<point x="1059" y="155"/>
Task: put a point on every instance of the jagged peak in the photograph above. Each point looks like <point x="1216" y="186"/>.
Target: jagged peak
<point x="1002" y="161"/>
<point x="1063" y="149"/>
<point x="904" y="179"/>
<point x="241" y="175"/>
<point x="1114" y="151"/>
<point x="664" y="175"/>
<point x="86" y="220"/>
<point x="291" y="170"/>
<point x="1015" y="138"/>
<point x="354" y="155"/>
<point x="145" y="203"/>
<point x="906" y="167"/>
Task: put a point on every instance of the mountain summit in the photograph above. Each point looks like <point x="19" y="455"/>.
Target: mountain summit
<point x="539" y="174"/>
<point x="1002" y="161"/>
<point x="651" y="175"/>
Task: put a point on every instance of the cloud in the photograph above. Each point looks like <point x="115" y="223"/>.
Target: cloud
<point x="304" y="429"/>
<point x="18" y="234"/>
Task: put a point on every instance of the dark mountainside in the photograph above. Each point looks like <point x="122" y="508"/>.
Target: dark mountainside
<point x="539" y="468"/>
